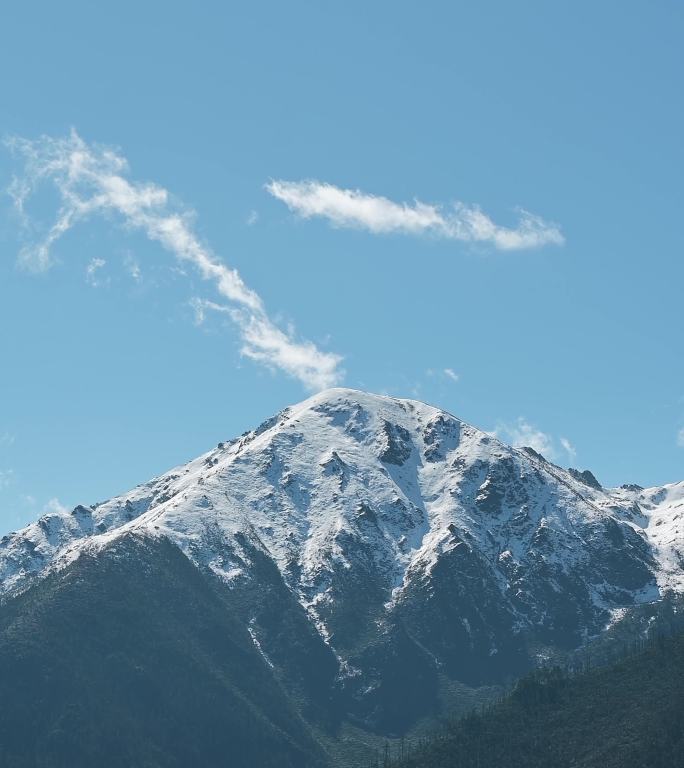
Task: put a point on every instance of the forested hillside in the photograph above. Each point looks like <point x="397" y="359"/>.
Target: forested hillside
<point x="132" y="659"/>
<point x="629" y="715"/>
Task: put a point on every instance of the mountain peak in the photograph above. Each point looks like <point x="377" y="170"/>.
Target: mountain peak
<point x="338" y="397"/>
<point x="374" y="512"/>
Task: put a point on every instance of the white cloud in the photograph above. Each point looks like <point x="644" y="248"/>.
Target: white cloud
<point x="252" y="218"/>
<point x="93" y="267"/>
<point x="200" y="307"/>
<point x="680" y="438"/>
<point x="92" y="180"/>
<point x="522" y="434"/>
<point x="6" y="439"/>
<point x="267" y="344"/>
<point x="132" y="267"/>
<point x="6" y="478"/>
<point x="55" y="506"/>
<point x="569" y="448"/>
<point x="451" y="374"/>
<point x="465" y="223"/>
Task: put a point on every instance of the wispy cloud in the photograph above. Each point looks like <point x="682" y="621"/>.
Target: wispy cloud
<point x="522" y="434"/>
<point x="132" y="267"/>
<point x="92" y="269"/>
<point x="680" y="438"/>
<point x="264" y="342"/>
<point x="569" y="448"/>
<point x="435" y="374"/>
<point x="6" y="478"/>
<point x="55" y="506"/>
<point x="466" y="223"/>
<point x="91" y="180"/>
<point x="202" y="307"/>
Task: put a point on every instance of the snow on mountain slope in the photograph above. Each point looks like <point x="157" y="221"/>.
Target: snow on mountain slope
<point x="662" y="513"/>
<point x="377" y="510"/>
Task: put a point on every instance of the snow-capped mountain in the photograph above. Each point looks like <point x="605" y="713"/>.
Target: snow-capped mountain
<point x="399" y="535"/>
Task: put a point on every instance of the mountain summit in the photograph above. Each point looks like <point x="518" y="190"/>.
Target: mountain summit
<point x="376" y="547"/>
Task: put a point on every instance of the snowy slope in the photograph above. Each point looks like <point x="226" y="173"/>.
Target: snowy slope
<point x="661" y="512"/>
<point x="378" y="512"/>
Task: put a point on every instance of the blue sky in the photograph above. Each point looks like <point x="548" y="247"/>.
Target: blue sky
<point x="366" y="169"/>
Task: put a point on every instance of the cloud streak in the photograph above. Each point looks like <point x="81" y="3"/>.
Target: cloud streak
<point x="569" y="448"/>
<point x="523" y="434"/>
<point x="94" y="266"/>
<point x="55" y="506"/>
<point x="461" y="222"/>
<point x="6" y="478"/>
<point x="92" y="180"/>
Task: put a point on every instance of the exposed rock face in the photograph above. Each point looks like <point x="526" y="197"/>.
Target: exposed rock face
<point x="587" y="477"/>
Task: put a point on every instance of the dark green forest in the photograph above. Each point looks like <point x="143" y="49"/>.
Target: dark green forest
<point x="130" y="658"/>
<point x="626" y="715"/>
